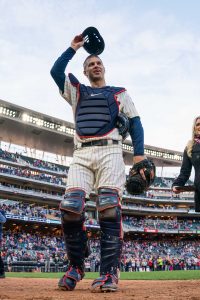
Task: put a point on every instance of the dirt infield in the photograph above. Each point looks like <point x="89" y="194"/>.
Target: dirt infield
<point x="46" y="289"/>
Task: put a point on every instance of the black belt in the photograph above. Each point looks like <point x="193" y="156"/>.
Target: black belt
<point x="99" y="143"/>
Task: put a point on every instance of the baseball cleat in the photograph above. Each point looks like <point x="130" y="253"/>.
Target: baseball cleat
<point x="105" y="283"/>
<point x="69" y="280"/>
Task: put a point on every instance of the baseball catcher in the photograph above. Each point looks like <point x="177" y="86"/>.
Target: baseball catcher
<point x="102" y="114"/>
<point x="141" y="176"/>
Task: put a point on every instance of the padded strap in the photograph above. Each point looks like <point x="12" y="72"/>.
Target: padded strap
<point x="101" y="280"/>
<point x="107" y="278"/>
<point x="74" y="273"/>
<point x="74" y="81"/>
<point x="76" y="245"/>
<point x="111" y="248"/>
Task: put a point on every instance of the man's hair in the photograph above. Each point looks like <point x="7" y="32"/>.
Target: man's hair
<point x="88" y="57"/>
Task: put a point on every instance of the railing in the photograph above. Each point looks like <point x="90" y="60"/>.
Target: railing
<point x="34" y="266"/>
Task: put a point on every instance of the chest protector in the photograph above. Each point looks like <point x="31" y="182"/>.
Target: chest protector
<point x="97" y="110"/>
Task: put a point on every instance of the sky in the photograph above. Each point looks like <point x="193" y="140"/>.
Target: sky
<point x="152" y="48"/>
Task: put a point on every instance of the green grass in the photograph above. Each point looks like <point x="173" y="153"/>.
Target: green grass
<point x="162" y="275"/>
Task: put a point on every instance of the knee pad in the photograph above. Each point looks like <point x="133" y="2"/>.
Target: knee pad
<point x="72" y="206"/>
<point x="108" y="205"/>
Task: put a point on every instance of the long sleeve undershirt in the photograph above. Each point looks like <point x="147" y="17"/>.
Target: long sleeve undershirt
<point x="58" y="69"/>
<point x="137" y="135"/>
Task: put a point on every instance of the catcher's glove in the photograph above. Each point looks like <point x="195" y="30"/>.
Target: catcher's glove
<point x="135" y="183"/>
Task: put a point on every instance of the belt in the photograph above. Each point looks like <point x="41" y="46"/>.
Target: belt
<point x="98" y="143"/>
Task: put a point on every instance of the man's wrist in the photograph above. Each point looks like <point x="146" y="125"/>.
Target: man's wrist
<point x="73" y="48"/>
<point x="138" y="158"/>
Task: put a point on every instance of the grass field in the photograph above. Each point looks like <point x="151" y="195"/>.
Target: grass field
<point x="163" y="275"/>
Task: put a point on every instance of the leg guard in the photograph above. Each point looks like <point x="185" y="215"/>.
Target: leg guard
<point x="72" y="217"/>
<point x="111" y="239"/>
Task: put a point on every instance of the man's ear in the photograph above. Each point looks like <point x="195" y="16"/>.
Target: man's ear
<point x="84" y="72"/>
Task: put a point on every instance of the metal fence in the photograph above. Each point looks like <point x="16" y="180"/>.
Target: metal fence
<point x="34" y="266"/>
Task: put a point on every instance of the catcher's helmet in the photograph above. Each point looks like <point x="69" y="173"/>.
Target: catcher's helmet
<point x="94" y="43"/>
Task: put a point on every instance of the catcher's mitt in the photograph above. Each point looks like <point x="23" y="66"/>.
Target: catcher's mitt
<point x="135" y="183"/>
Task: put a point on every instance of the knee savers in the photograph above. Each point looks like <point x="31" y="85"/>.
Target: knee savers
<point x="72" y="206"/>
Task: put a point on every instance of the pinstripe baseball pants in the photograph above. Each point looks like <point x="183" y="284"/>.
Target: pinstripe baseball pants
<point x="97" y="166"/>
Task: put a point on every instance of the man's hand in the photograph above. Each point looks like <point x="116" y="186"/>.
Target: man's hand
<point x="77" y="42"/>
<point x="182" y="189"/>
<point x="137" y="159"/>
<point x="136" y="183"/>
<point x="175" y="190"/>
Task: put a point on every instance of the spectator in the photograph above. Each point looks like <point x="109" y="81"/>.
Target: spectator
<point x="191" y="158"/>
<point x="2" y="221"/>
<point x="9" y="262"/>
<point x="47" y="261"/>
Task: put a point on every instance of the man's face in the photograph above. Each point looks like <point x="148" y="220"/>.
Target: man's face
<point x="94" y="69"/>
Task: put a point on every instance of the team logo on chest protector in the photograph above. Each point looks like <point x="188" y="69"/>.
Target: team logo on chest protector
<point x="96" y="111"/>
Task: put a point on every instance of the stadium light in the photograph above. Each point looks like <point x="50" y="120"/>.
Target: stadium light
<point x="39" y="122"/>
<point x="61" y="128"/>
<point x="25" y="117"/>
<point x="8" y="112"/>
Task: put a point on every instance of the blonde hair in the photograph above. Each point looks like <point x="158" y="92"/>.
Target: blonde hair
<point x="191" y="142"/>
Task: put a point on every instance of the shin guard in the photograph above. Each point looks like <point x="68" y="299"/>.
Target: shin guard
<point x="72" y="216"/>
<point x="111" y="231"/>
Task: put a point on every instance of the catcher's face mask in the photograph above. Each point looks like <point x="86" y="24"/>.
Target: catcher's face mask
<point x="94" y="43"/>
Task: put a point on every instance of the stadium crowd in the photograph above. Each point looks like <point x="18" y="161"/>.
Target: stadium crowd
<point x="43" y="212"/>
<point x="159" y="223"/>
<point x="44" y="191"/>
<point x="32" y="162"/>
<point x="28" y="210"/>
<point x="43" y="165"/>
<point x="138" y="255"/>
<point x="27" y="173"/>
